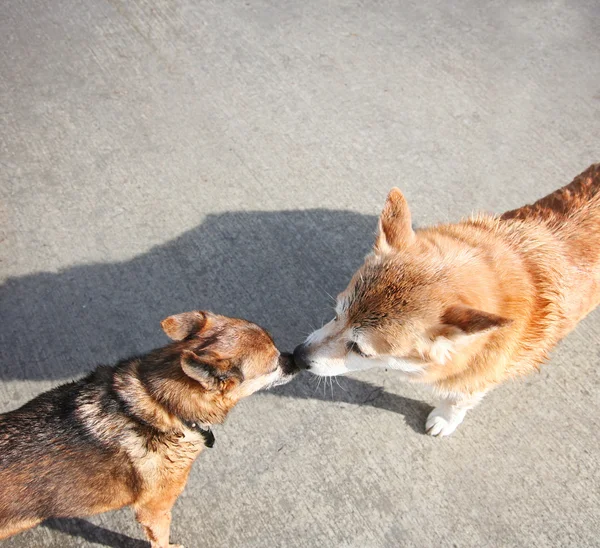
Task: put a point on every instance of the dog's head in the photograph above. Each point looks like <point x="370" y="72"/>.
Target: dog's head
<point x="227" y="356"/>
<point x="403" y="309"/>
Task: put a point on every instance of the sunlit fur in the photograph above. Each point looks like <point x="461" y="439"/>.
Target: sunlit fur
<point x="466" y="306"/>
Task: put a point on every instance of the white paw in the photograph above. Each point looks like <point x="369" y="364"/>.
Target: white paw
<point x="443" y="420"/>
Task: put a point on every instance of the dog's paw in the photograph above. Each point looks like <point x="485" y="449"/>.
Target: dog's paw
<point x="443" y="420"/>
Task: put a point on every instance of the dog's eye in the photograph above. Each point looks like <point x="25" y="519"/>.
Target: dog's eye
<point x="352" y="346"/>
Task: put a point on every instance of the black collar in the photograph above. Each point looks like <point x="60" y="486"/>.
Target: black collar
<point x="206" y="433"/>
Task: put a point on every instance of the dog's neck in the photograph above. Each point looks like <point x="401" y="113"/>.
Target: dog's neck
<point x="206" y="433"/>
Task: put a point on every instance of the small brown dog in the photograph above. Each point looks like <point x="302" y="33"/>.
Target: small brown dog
<point x="465" y="306"/>
<point x="129" y="434"/>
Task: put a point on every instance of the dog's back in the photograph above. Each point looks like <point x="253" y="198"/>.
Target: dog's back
<point x="50" y="465"/>
<point x="577" y="201"/>
<point x="572" y="214"/>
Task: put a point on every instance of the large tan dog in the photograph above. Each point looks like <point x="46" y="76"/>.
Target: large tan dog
<point x="465" y="306"/>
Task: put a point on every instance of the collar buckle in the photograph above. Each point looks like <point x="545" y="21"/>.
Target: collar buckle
<point x="206" y="433"/>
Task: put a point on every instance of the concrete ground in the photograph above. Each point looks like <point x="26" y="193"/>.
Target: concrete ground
<point x="160" y="156"/>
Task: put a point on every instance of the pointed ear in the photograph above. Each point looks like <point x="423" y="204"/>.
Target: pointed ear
<point x="471" y="320"/>
<point x="180" y="326"/>
<point x="210" y="370"/>
<point x="461" y="325"/>
<point x="394" y="230"/>
<point x="198" y="369"/>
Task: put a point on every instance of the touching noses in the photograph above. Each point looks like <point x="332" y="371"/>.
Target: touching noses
<point x="301" y="356"/>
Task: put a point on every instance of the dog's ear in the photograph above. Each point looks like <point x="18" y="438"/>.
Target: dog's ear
<point x="198" y="369"/>
<point x="460" y="326"/>
<point x="394" y="231"/>
<point x="471" y="320"/>
<point x="211" y="371"/>
<point x="180" y="326"/>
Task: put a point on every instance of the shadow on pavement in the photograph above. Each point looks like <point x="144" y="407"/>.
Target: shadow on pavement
<point x="279" y="269"/>
<point x="275" y="268"/>
<point x="356" y="392"/>
<point x="94" y="533"/>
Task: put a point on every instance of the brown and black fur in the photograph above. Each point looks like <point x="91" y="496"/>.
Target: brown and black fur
<point x="126" y="434"/>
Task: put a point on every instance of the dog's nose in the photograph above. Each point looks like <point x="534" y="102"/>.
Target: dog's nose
<point x="301" y="357"/>
<point x="288" y="364"/>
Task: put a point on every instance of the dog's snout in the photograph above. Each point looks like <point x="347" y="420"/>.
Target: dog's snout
<point x="288" y="364"/>
<point x="301" y="356"/>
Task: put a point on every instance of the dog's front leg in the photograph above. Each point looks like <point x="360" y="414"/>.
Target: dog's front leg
<point x="444" y="419"/>
<point x="155" y="517"/>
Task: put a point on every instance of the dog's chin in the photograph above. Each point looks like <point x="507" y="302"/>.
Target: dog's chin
<point x="328" y="369"/>
<point x="413" y="369"/>
<point x="284" y="379"/>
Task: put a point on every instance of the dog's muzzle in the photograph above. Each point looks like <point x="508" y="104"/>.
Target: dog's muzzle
<point x="288" y="364"/>
<point x="301" y="357"/>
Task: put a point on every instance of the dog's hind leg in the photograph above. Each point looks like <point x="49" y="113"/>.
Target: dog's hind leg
<point x="444" y="419"/>
<point x="155" y="517"/>
<point x="14" y="528"/>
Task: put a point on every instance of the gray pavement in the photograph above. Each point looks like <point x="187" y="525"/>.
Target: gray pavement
<point x="161" y="156"/>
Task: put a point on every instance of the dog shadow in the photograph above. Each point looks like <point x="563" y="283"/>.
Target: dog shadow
<point x="279" y="269"/>
<point x="91" y="533"/>
<point x="350" y="391"/>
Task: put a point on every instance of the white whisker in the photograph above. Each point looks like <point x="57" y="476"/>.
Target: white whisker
<point x="338" y="383"/>
<point x="330" y="296"/>
<point x="318" y="383"/>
